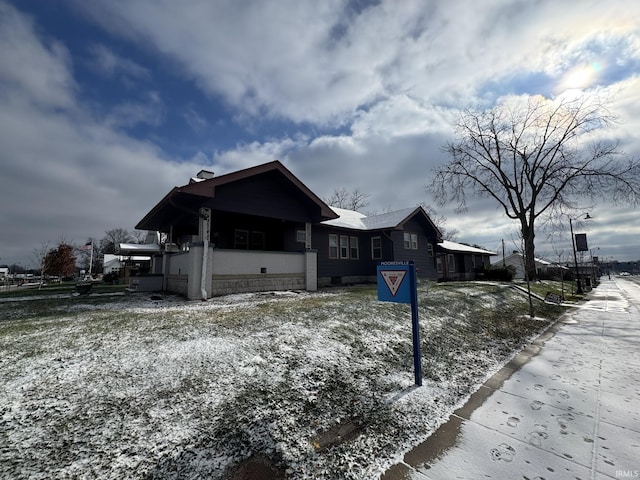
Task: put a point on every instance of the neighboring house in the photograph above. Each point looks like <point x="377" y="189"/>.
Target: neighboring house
<point x="262" y="229"/>
<point x="4" y="272"/>
<point x="516" y="260"/>
<point x="350" y="246"/>
<point x="457" y="261"/>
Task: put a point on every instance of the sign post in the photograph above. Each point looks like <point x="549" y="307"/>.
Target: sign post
<point x="397" y="283"/>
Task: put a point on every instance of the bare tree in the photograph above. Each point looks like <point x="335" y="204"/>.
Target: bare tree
<point x="341" y="198"/>
<point x="440" y="221"/>
<point x="113" y="238"/>
<point x="138" y="236"/>
<point x="40" y="256"/>
<point x="536" y="158"/>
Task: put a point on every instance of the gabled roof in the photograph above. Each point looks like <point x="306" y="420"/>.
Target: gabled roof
<point x="385" y="221"/>
<point x="394" y="219"/>
<point x="519" y="257"/>
<point x="187" y="198"/>
<point x="462" y="248"/>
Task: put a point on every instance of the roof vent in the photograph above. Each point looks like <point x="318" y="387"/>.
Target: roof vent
<point x="204" y="174"/>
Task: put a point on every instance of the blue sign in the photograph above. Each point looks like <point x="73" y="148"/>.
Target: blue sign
<point x="394" y="282"/>
<point x="397" y="283"/>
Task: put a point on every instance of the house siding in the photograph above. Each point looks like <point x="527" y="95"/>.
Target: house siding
<point x="348" y="270"/>
<point x="267" y="195"/>
<point x="425" y="263"/>
<point x="332" y="270"/>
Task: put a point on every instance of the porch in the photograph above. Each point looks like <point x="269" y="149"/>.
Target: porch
<point x="239" y="271"/>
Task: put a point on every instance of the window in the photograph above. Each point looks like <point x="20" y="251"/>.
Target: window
<point x="301" y="236"/>
<point x="344" y="246"/>
<point x="376" y="248"/>
<point x="333" y="246"/>
<point x="241" y="239"/>
<point x="411" y="241"/>
<point x="439" y="264"/>
<point x="257" y="240"/>
<point x="430" y="249"/>
<point x="354" y="250"/>
<point x="451" y="263"/>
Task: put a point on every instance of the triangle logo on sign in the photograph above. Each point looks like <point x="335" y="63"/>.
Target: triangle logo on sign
<point x="393" y="279"/>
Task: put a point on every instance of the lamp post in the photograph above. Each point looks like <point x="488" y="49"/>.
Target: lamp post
<point x="579" y="290"/>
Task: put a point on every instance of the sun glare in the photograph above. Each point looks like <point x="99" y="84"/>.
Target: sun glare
<point x="580" y="77"/>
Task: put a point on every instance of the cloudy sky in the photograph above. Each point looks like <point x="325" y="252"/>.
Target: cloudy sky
<point x="105" y="105"/>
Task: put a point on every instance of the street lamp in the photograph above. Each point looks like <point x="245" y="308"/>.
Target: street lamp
<point x="579" y="290"/>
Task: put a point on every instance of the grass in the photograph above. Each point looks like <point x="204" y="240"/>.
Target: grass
<point x="64" y="288"/>
<point x="566" y="289"/>
<point x="129" y="387"/>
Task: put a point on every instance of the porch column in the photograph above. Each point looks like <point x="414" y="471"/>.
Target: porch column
<point x="311" y="270"/>
<point x="204" y="232"/>
<point x="310" y="261"/>
<point x="307" y="236"/>
<point x="165" y="259"/>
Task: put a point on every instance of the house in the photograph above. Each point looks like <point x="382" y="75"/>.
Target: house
<point x="516" y="260"/>
<point x="4" y="272"/>
<point x="457" y="261"/>
<point x="350" y="246"/>
<point x="262" y="229"/>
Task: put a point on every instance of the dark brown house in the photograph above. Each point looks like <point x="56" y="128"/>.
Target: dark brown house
<point x="262" y="229"/>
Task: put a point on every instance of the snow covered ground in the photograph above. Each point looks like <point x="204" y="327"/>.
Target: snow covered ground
<point x="129" y="387"/>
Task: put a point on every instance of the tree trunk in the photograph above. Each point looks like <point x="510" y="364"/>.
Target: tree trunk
<point x="528" y="237"/>
<point x="530" y="272"/>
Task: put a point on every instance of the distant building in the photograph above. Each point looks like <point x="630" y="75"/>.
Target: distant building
<point x="516" y="260"/>
<point x="457" y="261"/>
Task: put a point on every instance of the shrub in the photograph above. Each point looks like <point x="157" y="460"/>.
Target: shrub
<point x="111" y="278"/>
<point x="499" y="273"/>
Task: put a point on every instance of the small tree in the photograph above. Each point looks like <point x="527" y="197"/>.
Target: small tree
<point x="61" y="261"/>
<point x="355" y="200"/>
<point x="536" y="157"/>
<point x="40" y="256"/>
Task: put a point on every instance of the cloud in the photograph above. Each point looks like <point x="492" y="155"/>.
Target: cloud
<point x="322" y="62"/>
<point x="31" y="69"/>
<point x="130" y="114"/>
<point x="107" y="62"/>
<point x="369" y="87"/>
<point x="65" y="174"/>
<point x="196" y="121"/>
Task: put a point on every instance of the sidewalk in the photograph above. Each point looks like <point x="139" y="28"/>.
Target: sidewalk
<point x="568" y="407"/>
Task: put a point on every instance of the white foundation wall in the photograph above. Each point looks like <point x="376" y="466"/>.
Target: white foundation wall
<point x="240" y="271"/>
<point x="248" y="262"/>
<point x="177" y="272"/>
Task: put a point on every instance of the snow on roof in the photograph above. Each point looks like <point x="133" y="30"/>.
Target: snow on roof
<point x="139" y="247"/>
<point x="520" y="257"/>
<point x="460" y="247"/>
<point x="347" y="219"/>
<point x="387" y="220"/>
<point x="359" y="221"/>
